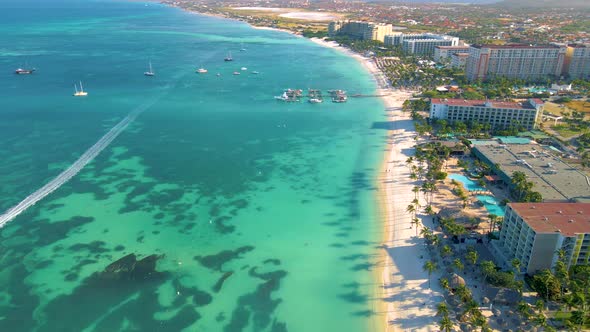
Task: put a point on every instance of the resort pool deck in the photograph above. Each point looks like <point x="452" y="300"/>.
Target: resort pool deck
<point x="469" y="184"/>
<point x="490" y="202"/>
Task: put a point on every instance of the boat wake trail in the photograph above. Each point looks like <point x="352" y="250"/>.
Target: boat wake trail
<point x="77" y="166"/>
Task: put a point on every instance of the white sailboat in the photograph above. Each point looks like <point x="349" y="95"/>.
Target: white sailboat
<point x="150" y="72"/>
<point x="81" y="92"/>
<point x="242" y="49"/>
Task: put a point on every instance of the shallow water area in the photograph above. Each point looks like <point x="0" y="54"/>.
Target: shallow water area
<point x="217" y="209"/>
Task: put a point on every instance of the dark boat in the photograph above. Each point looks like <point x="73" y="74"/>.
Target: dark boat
<point x="21" y="71"/>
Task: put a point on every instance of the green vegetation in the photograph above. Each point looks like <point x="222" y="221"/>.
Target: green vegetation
<point x="522" y="189"/>
<point x="569" y="288"/>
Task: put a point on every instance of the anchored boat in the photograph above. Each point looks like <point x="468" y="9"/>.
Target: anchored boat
<point x="81" y="92"/>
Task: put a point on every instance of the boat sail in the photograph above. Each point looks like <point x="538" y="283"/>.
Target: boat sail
<point x="228" y="57"/>
<point x="81" y="92"/>
<point x="150" y="72"/>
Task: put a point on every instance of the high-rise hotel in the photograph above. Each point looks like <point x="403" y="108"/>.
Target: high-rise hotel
<point x="360" y="30"/>
<point x="526" y="62"/>
<point x="534" y="233"/>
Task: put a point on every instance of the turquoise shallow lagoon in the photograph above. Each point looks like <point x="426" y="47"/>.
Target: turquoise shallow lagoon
<point x="247" y="214"/>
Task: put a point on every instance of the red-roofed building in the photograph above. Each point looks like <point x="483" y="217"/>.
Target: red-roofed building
<point x="499" y="114"/>
<point x="535" y="232"/>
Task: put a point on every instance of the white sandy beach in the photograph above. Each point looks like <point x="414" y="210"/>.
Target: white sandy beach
<point x="409" y="304"/>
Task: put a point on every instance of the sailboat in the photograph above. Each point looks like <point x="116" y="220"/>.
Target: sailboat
<point x="150" y="72"/>
<point x="81" y="92"/>
<point x="242" y="49"/>
<point x="228" y="57"/>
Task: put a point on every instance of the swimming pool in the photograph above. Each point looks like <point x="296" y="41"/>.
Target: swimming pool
<point x="469" y="184"/>
<point x="491" y="204"/>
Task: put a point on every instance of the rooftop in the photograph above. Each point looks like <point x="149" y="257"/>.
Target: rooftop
<point x="568" y="219"/>
<point x="512" y="46"/>
<point x="452" y="47"/>
<point x="552" y="178"/>
<point x="485" y="103"/>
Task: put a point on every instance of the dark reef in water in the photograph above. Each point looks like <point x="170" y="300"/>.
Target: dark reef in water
<point x="219" y="283"/>
<point x="215" y="262"/>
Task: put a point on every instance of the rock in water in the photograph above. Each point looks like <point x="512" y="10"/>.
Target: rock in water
<point x="129" y="268"/>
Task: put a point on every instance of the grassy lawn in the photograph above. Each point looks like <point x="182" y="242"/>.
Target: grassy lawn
<point x="579" y="105"/>
<point x="565" y="131"/>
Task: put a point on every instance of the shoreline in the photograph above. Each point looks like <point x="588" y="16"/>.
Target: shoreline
<point x="396" y="310"/>
<point x="404" y="300"/>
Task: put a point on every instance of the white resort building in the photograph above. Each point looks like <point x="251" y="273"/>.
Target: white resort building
<point x="499" y="114"/>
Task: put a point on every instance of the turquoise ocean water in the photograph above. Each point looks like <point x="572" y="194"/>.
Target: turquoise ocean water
<point x="261" y="213"/>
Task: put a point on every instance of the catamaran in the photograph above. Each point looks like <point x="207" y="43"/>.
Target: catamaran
<point x="150" y="72"/>
<point x="81" y="92"/>
<point x="228" y="57"/>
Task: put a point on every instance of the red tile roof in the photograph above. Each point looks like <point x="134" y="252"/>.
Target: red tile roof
<point x="515" y="46"/>
<point x="482" y="103"/>
<point x="568" y="219"/>
<point x="453" y="47"/>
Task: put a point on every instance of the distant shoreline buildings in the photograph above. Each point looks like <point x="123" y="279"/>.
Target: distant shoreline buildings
<point x="360" y="30"/>
<point x="528" y="62"/>
<point x="422" y="44"/>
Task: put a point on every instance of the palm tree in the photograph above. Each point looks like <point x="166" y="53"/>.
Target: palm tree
<point x="442" y="309"/>
<point x="416" y="222"/>
<point x="472" y="257"/>
<point x="446" y="251"/>
<point x="523" y="309"/>
<point x="411" y="209"/>
<point x="487" y="268"/>
<point x="445" y="324"/>
<point x="515" y="262"/>
<point x="458" y="264"/>
<point x="493" y="218"/>
<point x="416" y="190"/>
<point x="429" y="267"/>
<point x="444" y="283"/>
<point x="463" y="292"/>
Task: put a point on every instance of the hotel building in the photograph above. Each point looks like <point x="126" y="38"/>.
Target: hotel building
<point x="526" y="62"/>
<point x="499" y="114"/>
<point x="444" y="53"/>
<point x="459" y="60"/>
<point x="535" y="232"/>
<point x="423" y="44"/>
<point x="577" y="63"/>
<point x="360" y="30"/>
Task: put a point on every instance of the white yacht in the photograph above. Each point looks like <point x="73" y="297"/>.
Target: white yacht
<point x="201" y="70"/>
